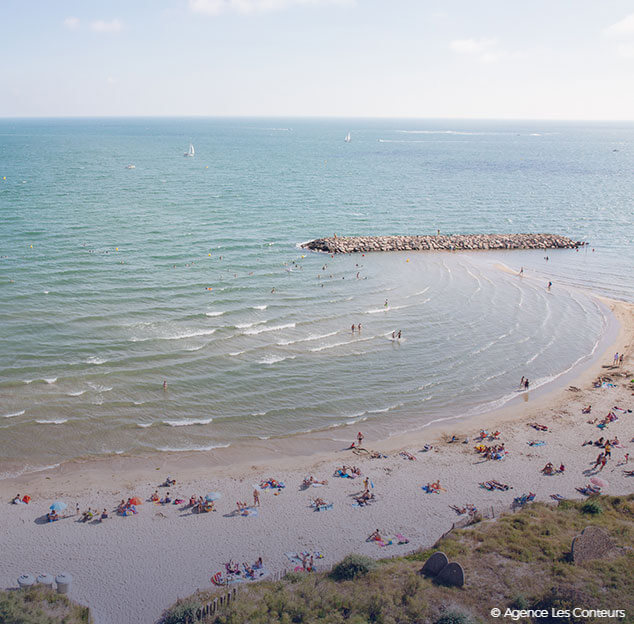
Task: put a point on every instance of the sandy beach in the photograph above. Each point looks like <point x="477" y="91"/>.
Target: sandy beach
<point x="128" y="569"/>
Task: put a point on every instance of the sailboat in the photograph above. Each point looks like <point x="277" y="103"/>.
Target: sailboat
<point x="348" y="138"/>
<point x="190" y="151"/>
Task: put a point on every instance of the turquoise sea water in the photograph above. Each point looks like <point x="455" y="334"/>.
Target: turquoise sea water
<point x="115" y="279"/>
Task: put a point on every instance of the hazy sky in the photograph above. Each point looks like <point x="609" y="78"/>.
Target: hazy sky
<point x="564" y="59"/>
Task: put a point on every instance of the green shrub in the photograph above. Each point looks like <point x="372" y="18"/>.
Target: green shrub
<point x="521" y="602"/>
<point x="591" y="507"/>
<point x="453" y="617"/>
<point x="182" y="612"/>
<point x="351" y="567"/>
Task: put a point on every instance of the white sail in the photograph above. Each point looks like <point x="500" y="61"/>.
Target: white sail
<point x="190" y="151"/>
<point x="348" y="138"/>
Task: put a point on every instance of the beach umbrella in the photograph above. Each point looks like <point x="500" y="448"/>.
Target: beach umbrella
<point x="58" y="506"/>
<point x="136" y="501"/>
<point x="213" y="496"/>
<point x="599" y="482"/>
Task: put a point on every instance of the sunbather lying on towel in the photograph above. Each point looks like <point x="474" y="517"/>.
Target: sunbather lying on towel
<point x="407" y="455"/>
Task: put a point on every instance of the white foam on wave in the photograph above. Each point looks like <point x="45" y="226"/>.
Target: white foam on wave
<point x="215" y="313"/>
<point x="284" y="343"/>
<point x="179" y="336"/>
<point x="260" y="307"/>
<point x="60" y="421"/>
<point x="273" y="359"/>
<point x="247" y="325"/>
<point x="252" y="332"/>
<point x="50" y="380"/>
<point x="195" y="348"/>
<point x="234" y="353"/>
<point x="172" y="449"/>
<point x="74" y="394"/>
<point x="93" y="359"/>
<point x="26" y="470"/>
<point x="144" y="425"/>
<point x="12" y="415"/>
<point x="186" y="422"/>
<point x="99" y="387"/>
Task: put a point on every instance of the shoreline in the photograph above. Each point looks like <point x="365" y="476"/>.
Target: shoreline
<point x="300" y="447"/>
<point x="149" y="560"/>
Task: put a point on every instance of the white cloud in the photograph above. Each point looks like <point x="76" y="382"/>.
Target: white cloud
<point x="72" y="23"/>
<point x="107" y="27"/>
<point x="622" y="29"/>
<point x="472" y="46"/>
<point x="216" y="7"/>
<point x="626" y="50"/>
<point x="483" y="50"/>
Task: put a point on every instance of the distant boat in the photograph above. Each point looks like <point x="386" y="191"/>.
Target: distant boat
<point x="130" y="167"/>
<point x="348" y="138"/>
<point x="190" y="151"/>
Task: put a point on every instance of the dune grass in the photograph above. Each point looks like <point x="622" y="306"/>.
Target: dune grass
<point x="39" y="605"/>
<point x="519" y="560"/>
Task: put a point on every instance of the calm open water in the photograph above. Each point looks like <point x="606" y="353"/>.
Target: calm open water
<point x="114" y="279"/>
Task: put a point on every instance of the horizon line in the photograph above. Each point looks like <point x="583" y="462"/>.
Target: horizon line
<point x="333" y="117"/>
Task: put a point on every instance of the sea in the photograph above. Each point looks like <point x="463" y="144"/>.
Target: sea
<point x="154" y="303"/>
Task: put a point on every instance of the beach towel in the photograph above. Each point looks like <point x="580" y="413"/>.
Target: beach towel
<point x="537" y="443"/>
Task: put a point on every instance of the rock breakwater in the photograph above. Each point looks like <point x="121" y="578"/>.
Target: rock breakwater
<point x="454" y="242"/>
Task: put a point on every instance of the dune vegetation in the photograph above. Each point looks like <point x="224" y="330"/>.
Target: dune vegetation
<point x="39" y="605"/>
<point x="520" y="561"/>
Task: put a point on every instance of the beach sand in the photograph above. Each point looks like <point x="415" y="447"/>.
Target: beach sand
<point x="128" y="569"/>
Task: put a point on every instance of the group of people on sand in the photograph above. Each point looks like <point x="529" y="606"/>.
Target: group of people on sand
<point x="618" y="359"/>
<point x="309" y="481"/>
<point x="200" y="504"/>
<point x="495" y="451"/>
<point x="434" y="488"/>
<point x="21" y="500"/>
<point x="524" y="383"/>
<point x="166" y="500"/>
<point x="549" y="469"/>
<point x="350" y="472"/>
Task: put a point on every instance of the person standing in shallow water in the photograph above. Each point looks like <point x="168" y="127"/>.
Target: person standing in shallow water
<point x="526" y="384"/>
<point x="522" y="382"/>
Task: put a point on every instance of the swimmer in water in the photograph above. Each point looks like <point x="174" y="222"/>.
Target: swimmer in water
<point x="399" y="334"/>
<point x="164" y="384"/>
<point x="353" y="328"/>
<point x="385" y="304"/>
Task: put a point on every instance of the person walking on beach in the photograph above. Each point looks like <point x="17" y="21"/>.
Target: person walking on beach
<point x="621" y="360"/>
<point x="599" y="460"/>
<point x="359" y="439"/>
<point x="549" y="285"/>
<point x="256" y="498"/>
<point x="522" y="382"/>
<point x="615" y="361"/>
<point x="359" y="327"/>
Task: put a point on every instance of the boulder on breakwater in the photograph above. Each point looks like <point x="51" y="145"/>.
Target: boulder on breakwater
<point x="453" y="242"/>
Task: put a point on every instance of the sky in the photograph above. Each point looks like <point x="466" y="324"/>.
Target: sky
<point x="496" y="59"/>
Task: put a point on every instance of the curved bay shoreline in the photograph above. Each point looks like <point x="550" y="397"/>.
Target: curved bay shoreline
<point x="170" y="542"/>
